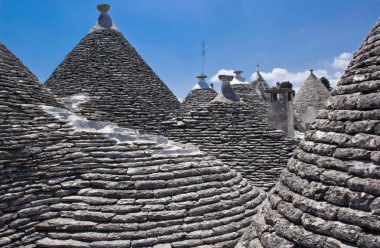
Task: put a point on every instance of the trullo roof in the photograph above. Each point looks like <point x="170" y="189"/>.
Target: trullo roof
<point x="120" y="85"/>
<point x="329" y="195"/>
<point x="66" y="181"/>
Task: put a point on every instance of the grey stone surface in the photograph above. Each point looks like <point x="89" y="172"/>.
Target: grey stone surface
<point x="328" y="195"/>
<point x="68" y="182"/>
<point x="104" y="79"/>
<point x="312" y="94"/>
<point x="121" y="87"/>
<point x="199" y="96"/>
<point x="236" y="134"/>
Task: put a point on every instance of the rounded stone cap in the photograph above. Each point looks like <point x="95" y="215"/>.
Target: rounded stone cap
<point x="202" y="76"/>
<point x="225" y="78"/>
<point x="103" y="8"/>
<point x="238" y="72"/>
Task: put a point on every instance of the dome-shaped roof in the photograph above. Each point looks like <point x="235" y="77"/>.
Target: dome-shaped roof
<point x="66" y="181"/>
<point x="329" y="195"/>
<point x="120" y="85"/>
<point x="312" y="94"/>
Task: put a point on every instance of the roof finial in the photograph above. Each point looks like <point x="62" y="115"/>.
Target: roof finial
<point x="238" y="73"/>
<point x="311" y="71"/>
<point x="257" y="67"/>
<point x="103" y="8"/>
<point x="104" y="20"/>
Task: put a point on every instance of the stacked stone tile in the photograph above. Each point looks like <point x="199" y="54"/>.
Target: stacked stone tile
<point x="122" y="88"/>
<point x="66" y="181"/>
<point x="247" y="92"/>
<point x="313" y="94"/>
<point x="329" y="195"/>
<point x="235" y="133"/>
<point x="200" y="95"/>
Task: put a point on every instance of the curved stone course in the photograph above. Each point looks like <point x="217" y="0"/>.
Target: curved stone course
<point x="122" y="87"/>
<point x="329" y="195"/>
<point x="247" y="93"/>
<point x="236" y="134"/>
<point x="66" y="181"/>
<point x="198" y="98"/>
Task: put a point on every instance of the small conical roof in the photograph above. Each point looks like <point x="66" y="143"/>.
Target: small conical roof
<point x="312" y="94"/>
<point x="250" y="96"/>
<point x="16" y="78"/>
<point x="238" y="78"/>
<point x="259" y="84"/>
<point x="120" y="85"/>
<point x="202" y="84"/>
<point x="20" y="92"/>
<point x="329" y="195"/>
<point x="200" y="95"/>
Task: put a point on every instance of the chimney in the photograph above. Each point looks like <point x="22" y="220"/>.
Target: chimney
<point x="226" y="94"/>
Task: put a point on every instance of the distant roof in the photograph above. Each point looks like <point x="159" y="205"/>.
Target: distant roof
<point x="201" y="83"/>
<point x="313" y="93"/>
<point x="200" y="95"/>
<point x="238" y="78"/>
<point x="259" y="84"/>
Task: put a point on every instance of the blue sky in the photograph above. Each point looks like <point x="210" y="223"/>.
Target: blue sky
<point x="286" y="37"/>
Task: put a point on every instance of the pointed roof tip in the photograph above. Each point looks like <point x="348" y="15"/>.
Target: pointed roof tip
<point x="257" y="68"/>
<point x="103" y="8"/>
<point x="104" y="21"/>
<point x="202" y="83"/>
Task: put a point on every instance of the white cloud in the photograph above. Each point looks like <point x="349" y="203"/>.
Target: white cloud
<point x="282" y="75"/>
<point x="342" y="61"/>
<point x="331" y="70"/>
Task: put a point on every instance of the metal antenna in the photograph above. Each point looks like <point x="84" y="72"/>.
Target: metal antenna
<point x="203" y="57"/>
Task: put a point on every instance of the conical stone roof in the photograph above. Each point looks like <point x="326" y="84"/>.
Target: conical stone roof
<point x="200" y="95"/>
<point x="120" y="85"/>
<point x="66" y="181"/>
<point x="329" y="195"/>
<point x="247" y="93"/>
<point x="312" y="94"/>
<point x="259" y="84"/>
<point x="233" y="132"/>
